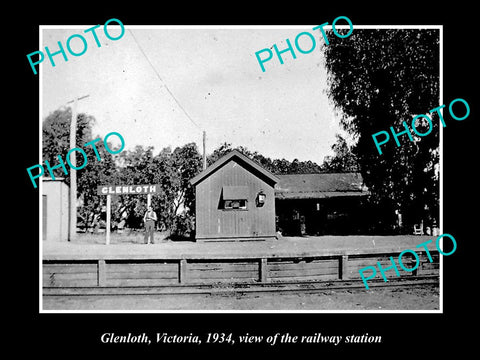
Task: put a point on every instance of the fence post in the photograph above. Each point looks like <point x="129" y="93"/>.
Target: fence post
<point x="342" y="267"/>
<point x="182" y="271"/>
<point x="263" y="271"/>
<point x="101" y="273"/>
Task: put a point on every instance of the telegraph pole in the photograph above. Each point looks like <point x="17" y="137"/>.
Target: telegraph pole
<point x="204" y="151"/>
<point x="72" y="231"/>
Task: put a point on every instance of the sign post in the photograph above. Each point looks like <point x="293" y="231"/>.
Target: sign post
<point x="110" y="190"/>
<point x="109" y="218"/>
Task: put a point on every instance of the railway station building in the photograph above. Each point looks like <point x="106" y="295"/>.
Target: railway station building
<point x="55" y="213"/>
<point x="237" y="199"/>
<point x="320" y="204"/>
<point x="234" y="200"/>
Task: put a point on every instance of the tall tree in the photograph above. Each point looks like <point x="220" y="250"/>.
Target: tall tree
<point x="56" y="137"/>
<point x="378" y="79"/>
<point x="343" y="160"/>
<point x="164" y="175"/>
<point x="56" y="141"/>
<point x="275" y="166"/>
<point x="174" y="203"/>
<point x="217" y="153"/>
<point x="90" y="177"/>
<point x="186" y="163"/>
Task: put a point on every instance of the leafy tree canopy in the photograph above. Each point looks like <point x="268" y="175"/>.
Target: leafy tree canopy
<point x="275" y="166"/>
<point x="171" y="169"/>
<point x="378" y="79"/>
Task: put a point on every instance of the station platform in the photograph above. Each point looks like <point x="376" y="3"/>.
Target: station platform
<point x="285" y="247"/>
<point x="76" y="265"/>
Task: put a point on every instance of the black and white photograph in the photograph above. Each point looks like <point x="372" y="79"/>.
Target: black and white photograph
<point x="223" y="185"/>
<point x="210" y="178"/>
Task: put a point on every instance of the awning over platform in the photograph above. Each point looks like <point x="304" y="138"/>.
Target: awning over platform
<point x="235" y="192"/>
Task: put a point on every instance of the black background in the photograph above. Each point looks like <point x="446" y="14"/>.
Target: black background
<point x="403" y="334"/>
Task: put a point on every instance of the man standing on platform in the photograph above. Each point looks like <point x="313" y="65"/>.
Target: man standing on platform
<point x="149" y="219"/>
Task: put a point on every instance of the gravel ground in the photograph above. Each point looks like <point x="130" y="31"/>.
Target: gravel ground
<point x="287" y="246"/>
<point x="417" y="298"/>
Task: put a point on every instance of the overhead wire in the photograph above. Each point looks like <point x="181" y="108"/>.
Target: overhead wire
<point x="163" y="82"/>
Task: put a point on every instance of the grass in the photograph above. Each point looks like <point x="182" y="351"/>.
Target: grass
<point x="126" y="237"/>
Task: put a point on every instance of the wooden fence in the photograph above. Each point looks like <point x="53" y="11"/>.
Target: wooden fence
<point x="152" y="271"/>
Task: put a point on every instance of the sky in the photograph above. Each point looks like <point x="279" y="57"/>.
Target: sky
<point x="211" y="73"/>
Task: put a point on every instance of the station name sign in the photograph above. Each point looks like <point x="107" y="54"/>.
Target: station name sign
<point x="127" y="189"/>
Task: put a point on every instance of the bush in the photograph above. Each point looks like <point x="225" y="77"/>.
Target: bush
<point x="183" y="226"/>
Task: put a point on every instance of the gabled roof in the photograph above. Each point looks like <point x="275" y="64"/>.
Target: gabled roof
<point x="242" y="159"/>
<point x="316" y="186"/>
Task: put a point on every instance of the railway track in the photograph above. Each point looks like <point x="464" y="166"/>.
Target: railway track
<point x="243" y="288"/>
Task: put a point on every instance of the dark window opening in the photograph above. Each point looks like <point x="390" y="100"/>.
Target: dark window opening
<point x="235" y="204"/>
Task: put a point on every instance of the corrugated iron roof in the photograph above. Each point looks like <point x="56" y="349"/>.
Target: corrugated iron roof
<point x="239" y="157"/>
<point x="315" y="186"/>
